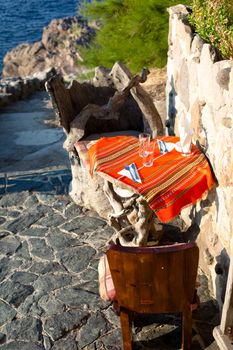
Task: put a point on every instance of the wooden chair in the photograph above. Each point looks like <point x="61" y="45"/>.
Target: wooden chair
<point x="154" y="280"/>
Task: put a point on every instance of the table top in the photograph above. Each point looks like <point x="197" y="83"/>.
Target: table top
<point x="172" y="183"/>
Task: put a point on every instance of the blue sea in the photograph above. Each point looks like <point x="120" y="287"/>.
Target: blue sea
<point x="23" y="20"/>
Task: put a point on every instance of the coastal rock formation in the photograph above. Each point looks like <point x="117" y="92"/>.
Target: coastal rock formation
<point x="57" y="48"/>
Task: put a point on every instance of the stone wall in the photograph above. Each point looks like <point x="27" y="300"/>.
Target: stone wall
<point x="202" y="83"/>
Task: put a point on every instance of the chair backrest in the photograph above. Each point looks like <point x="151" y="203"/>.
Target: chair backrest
<point x="154" y="279"/>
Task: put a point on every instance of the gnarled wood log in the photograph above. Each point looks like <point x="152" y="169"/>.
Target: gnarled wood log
<point x="85" y="109"/>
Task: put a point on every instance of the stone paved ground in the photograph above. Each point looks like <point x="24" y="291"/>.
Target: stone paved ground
<point x="49" y="250"/>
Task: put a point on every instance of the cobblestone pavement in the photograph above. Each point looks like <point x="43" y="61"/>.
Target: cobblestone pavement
<point x="49" y="250"/>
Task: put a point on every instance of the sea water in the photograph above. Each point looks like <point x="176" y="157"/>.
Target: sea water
<point x="23" y="20"/>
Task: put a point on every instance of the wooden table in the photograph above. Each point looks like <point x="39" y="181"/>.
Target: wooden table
<point x="172" y="183"/>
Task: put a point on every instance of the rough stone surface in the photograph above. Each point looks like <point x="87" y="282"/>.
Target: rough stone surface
<point x="49" y="284"/>
<point x="201" y="83"/>
<point x="57" y="48"/>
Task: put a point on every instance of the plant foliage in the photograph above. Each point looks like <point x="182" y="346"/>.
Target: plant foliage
<point x="213" y="21"/>
<point x="132" y="31"/>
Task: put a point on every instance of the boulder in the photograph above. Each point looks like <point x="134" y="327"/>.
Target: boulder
<point x="57" y="49"/>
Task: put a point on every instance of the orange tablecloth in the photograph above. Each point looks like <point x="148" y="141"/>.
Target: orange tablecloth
<point x="173" y="182"/>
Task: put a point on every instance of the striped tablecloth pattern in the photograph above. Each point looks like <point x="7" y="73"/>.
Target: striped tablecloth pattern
<point x="172" y="183"/>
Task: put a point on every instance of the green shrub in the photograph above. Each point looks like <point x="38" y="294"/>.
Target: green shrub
<point x="132" y="31"/>
<point x="213" y="21"/>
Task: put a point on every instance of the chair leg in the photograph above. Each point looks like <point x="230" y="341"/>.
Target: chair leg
<point x="126" y="330"/>
<point x="186" y="328"/>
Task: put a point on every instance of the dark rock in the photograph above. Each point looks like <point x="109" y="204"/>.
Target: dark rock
<point x="72" y="211"/>
<point x="89" y="275"/>
<point x="95" y="327"/>
<point x="75" y="297"/>
<point x="58" y="325"/>
<point x="30" y="305"/>
<point x="46" y="267"/>
<point x="60" y="240"/>
<point x="28" y="329"/>
<point x="2" y="338"/>
<point x="24" y="221"/>
<point x="111" y="340"/>
<point x="13" y="199"/>
<point x="14" y="293"/>
<point x="4" y="234"/>
<point x="23" y="277"/>
<point x="66" y="343"/>
<point x="83" y="224"/>
<point x="7" y="265"/>
<point x="61" y="204"/>
<point x="7" y="313"/>
<point x="53" y="220"/>
<point x="23" y="251"/>
<point x="76" y="259"/>
<point x="40" y="249"/>
<point x="49" y="282"/>
<point x="50" y="305"/>
<point x="13" y="213"/>
<point x="15" y="345"/>
<point x="2" y="220"/>
<point x="34" y="231"/>
<point x="9" y="245"/>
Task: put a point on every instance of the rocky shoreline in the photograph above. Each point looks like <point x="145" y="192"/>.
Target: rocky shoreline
<point x="27" y="66"/>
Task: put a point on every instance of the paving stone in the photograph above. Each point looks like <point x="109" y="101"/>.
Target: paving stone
<point x="19" y="345"/>
<point x="23" y="277"/>
<point x="23" y="251"/>
<point x="7" y="313"/>
<point x="95" y="327"/>
<point x="28" y="329"/>
<point x="9" y="245"/>
<point x="40" y="249"/>
<point x="58" y="325"/>
<point x="74" y="297"/>
<point x="31" y="201"/>
<point x="30" y="305"/>
<point x="61" y="203"/>
<point x="52" y="220"/>
<point x="46" y="267"/>
<point x="49" y="282"/>
<point x="2" y="220"/>
<point x="112" y="316"/>
<point x="14" y="292"/>
<point x="34" y="231"/>
<point x="76" y="259"/>
<point x="89" y="275"/>
<point x="2" y="338"/>
<point x="60" y="240"/>
<point x="66" y="343"/>
<point x="84" y="224"/>
<point x="14" y="213"/>
<point x="46" y="198"/>
<point x="44" y="209"/>
<point x="50" y="305"/>
<point x="7" y="265"/>
<point x="24" y="221"/>
<point x="4" y="234"/>
<point x="3" y="211"/>
<point x="110" y="341"/>
<point x="13" y="199"/>
<point x="72" y="211"/>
